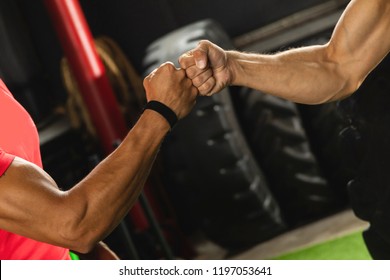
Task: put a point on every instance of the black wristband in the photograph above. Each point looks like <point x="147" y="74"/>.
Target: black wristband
<point x="163" y="110"/>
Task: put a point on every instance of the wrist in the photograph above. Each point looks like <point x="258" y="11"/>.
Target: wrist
<point x="233" y="68"/>
<point x="164" y="111"/>
<point x="155" y="122"/>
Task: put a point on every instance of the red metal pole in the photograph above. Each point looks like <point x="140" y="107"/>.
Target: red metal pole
<point x="78" y="45"/>
<point x="79" y="48"/>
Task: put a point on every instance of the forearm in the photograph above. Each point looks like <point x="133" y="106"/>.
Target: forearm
<point x="32" y="205"/>
<point x="317" y="74"/>
<point x="305" y="75"/>
<point x="101" y="200"/>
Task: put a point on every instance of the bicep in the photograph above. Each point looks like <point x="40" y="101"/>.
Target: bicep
<point x="30" y="202"/>
<point x="361" y="38"/>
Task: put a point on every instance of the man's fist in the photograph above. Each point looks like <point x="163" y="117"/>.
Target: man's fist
<point x="171" y="87"/>
<point x="207" y="67"/>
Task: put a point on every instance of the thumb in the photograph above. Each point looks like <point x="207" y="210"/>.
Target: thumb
<point x="201" y="55"/>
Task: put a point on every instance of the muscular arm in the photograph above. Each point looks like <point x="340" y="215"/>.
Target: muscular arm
<point x="310" y="75"/>
<point x="32" y="205"/>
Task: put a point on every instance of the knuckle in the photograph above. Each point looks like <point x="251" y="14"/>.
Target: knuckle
<point x="205" y="86"/>
<point x="204" y="42"/>
<point x="190" y="83"/>
<point x="194" y="91"/>
<point x="146" y="81"/>
<point x="169" y="66"/>
<point x="196" y="82"/>
<point x="186" y="60"/>
<point x="203" y="92"/>
<point x="202" y="78"/>
<point x="181" y="73"/>
<point x="208" y="85"/>
<point x="191" y="72"/>
<point x="182" y="61"/>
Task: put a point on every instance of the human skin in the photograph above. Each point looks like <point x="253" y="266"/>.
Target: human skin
<point x="32" y="205"/>
<point x="309" y="75"/>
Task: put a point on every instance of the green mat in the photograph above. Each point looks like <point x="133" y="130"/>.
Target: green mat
<point x="350" y="247"/>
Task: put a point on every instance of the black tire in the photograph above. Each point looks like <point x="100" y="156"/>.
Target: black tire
<point x="278" y="139"/>
<point x="213" y="178"/>
<point x="334" y="140"/>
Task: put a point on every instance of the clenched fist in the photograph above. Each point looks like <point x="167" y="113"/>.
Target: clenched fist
<point x="171" y="87"/>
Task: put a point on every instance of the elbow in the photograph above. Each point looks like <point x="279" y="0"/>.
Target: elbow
<point x="347" y="86"/>
<point x="354" y="82"/>
<point x="341" y="88"/>
<point x="81" y="241"/>
<point x="78" y="240"/>
<point x="84" y="248"/>
<point x="78" y="232"/>
<point x="344" y="72"/>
